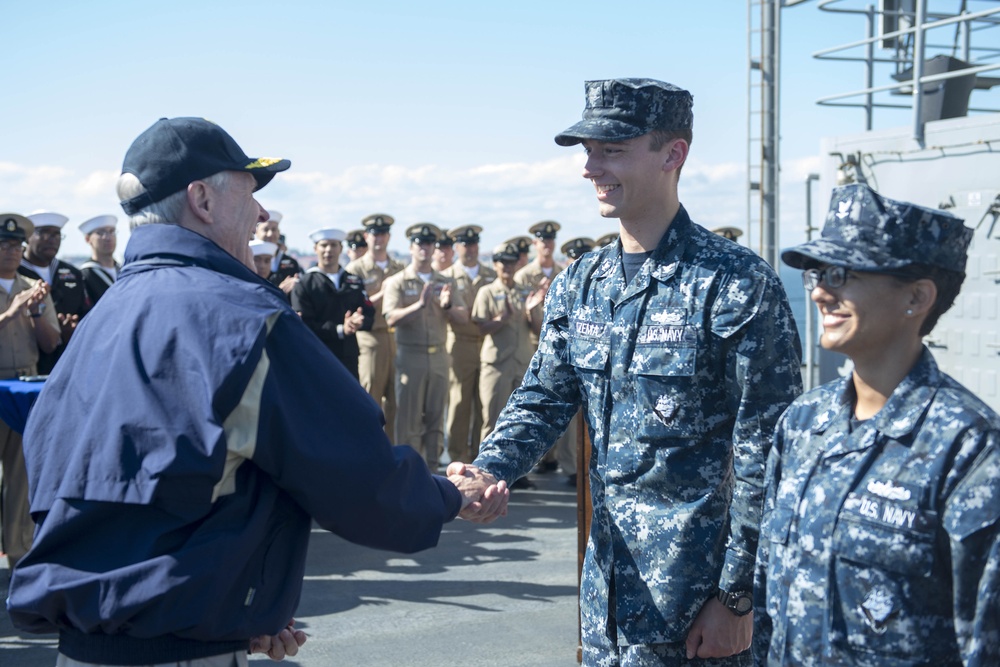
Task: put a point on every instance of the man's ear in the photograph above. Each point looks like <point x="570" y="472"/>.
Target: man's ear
<point x="200" y="201"/>
<point x="675" y="154"/>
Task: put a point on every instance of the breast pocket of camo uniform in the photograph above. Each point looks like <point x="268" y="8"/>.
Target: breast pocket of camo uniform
<point x="883" y="557"/>
<point x="663" y="364"/>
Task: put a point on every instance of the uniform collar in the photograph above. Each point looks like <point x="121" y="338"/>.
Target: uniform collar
<point x="410" y="273"/>
<point x="666" y="254"/>
<point x="905" y="407"/>
<point x="33" y="267"/>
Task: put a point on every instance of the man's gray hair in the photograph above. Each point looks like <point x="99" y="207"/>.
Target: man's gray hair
<point x="168" y="210"/>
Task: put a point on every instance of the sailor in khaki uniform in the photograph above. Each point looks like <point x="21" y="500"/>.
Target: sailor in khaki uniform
<point x="505" y="322"/>
<point x="28" y="323"/>
<point x="419" y="302"/>
<point x="356" y="244"/>
<point x="465" y="412"/>
<point x="444" y="252"/>
<point x="575" y="248"/>
<point x="523" y="244"/>
<point x="376" y="363"/>
<point x="607" y="239"/>
<point x="728" y="232"/>
<point x="538" y="275"/>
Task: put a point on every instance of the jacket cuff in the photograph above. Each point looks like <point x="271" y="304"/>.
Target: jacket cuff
<point x="451" y="496"/>
<point x="737" y="573"/>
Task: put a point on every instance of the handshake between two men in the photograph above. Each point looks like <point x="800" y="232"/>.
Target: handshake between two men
<point x="484" y="499"/>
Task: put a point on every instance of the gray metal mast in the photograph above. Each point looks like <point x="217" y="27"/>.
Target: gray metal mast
<point x="763" y="159"/>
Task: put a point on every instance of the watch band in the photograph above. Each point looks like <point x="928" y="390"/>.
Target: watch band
<point x="738" y="602"/>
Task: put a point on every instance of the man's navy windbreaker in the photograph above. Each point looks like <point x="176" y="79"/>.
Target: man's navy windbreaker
<point x="177" y="454"/>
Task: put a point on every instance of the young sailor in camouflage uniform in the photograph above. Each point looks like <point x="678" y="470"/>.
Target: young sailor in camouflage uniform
<point x="681" y="349"/>
<point x="881" y="538"/>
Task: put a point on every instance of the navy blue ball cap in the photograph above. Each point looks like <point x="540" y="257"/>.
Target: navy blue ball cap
<point x="623" y="109"/>
<point x="177" y="151"/>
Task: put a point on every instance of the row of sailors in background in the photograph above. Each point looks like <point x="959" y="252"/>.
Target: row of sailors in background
<point x="421" y="336"/>
<point x="445" y="330"/>
<point x="73" y="291"/>
<point x="440" y="342"/>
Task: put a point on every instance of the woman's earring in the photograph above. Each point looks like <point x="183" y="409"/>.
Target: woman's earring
<point x="909" y="311"/>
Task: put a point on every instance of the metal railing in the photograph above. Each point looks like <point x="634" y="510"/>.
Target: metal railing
<point x="911" y="51"/>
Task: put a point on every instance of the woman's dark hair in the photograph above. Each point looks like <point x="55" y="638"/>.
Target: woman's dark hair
<point x="948" y="284"/>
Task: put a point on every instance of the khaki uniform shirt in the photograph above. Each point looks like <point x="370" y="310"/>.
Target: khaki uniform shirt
<point x="18" y="344"/>
<point x="373" y="277"/>
<point x="429" y="326"/>
<point x="468" y="288"/>
<point x="526" y="280"/>
<point x="512" y="340"/>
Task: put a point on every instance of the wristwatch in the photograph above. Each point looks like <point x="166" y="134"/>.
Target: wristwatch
<point x="738" y="602"/>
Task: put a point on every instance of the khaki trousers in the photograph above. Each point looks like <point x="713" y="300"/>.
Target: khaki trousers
<point x="18" y="528"/>
<point x="465" y="410"/>
<point x="377" y="375"/>
<point x="421" y="393"/>
<point x="564" y="451"/>
<point x="496" y="383"/>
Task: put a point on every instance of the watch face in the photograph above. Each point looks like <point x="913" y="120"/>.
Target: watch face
<point x="744" y="604"/>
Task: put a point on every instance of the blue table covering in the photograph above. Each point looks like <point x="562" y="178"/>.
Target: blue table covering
<point x="16" y="399"/>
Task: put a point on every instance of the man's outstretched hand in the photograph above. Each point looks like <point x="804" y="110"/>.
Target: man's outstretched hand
<point x="484" y="499"/>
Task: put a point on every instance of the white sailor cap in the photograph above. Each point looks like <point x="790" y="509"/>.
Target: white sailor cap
<point x="258" y="247"/>
<point x="97" y="222"/>
<point x="327" y="234"/>
<point x="48" y="219"/>
<point x="273" y="215"/>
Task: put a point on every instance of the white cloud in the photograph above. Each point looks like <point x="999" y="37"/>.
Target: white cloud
<point x="504" y="198"/>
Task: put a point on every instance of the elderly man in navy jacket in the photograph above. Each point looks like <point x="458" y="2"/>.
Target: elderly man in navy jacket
<point x="175" y="465"/>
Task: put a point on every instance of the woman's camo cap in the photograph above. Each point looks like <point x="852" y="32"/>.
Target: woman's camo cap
<point x="622" y="109"/>
<point x="868" y="232"/>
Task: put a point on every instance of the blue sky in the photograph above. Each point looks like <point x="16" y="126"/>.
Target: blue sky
<point x="440" y="111"/>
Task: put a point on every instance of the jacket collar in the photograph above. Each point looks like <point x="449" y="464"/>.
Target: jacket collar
<point x="163" y="244"/>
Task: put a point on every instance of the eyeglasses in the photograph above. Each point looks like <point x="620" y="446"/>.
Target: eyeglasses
<point x="10" y="246"/>
<point x="832" y="277"/>
<point x="835" y="276"/>
<point x="49" y="236"/>
<point x="104" y="232"/>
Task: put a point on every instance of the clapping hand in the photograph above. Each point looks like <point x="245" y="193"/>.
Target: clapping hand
<point x="444" y="298"/>
<point x="353" y="322"/>
<point x="30" y="298"/>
